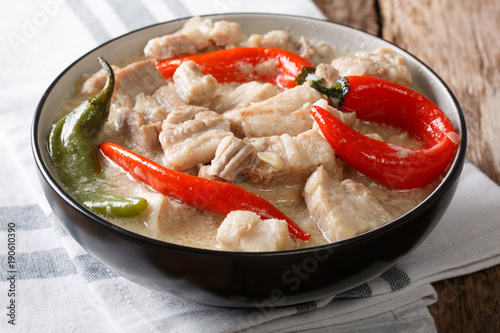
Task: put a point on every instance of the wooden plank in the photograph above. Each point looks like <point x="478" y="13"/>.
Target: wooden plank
<point x="361" y="14"/>
<point x="469" y="303"/>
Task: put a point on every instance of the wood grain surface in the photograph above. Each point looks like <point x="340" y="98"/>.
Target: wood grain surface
<point x="460" y="41"/>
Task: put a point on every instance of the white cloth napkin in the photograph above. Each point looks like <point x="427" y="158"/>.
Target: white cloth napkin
<point x="55" y="286"/>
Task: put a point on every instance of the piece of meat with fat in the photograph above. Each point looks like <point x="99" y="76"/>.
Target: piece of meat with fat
<point x="327" y="72"/>
<point x="150" y="109"/>
<point x="307" y="50"/>
<point x="278" y="39"/>
<point x="169" y="217"/>
<point x="191" y="137"/>
<point x="383" y="63"/>
<point x="190" y="39"/>
<point x="192" y="86"/>
<point x="288" y="160"/>
<point x="139" y="77"/>
<point x="243" y="95"/>
<point x="182" y="113"/>
<point x="232" y="157"/>
<point x="324" y="53"/>
<point x="225" y="33"/>
<point x="195" y="36"/>
<point x="167" y="97"/>
<point x="133" y="130"/>
<point x="281" y="39"/>
<point x="342" y="209"/>
<point x="245" y="231"/>
<point x="95" y="83"/>
<point x="287" y="112"/>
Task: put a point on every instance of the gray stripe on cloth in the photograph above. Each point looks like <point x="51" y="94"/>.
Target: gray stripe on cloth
<point x="88" y="19"/>
<point x="92" y="269"/>
<point x="177" y="8"/>
<point x="24" y="217"/>
<point x="134" y="14"/>
<point x="396" y="278"/>
<point x="38" y="265"/>
<point x="305" y="307"/>
<point x="362" y="290"/>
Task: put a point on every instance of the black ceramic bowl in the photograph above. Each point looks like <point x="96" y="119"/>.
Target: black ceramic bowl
<point x="246" y="279"/>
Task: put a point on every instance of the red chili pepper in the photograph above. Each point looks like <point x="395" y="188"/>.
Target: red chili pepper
<point x="385" y="102"/>
<point x="239" y="65"/>
<point x="198" y="192"/>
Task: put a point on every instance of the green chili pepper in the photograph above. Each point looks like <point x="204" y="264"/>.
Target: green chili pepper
<point x="75" y="158"/>
<point x="112" y="205"/>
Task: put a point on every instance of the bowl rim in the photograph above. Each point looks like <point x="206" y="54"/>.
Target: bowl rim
<point x="451" y="176"/>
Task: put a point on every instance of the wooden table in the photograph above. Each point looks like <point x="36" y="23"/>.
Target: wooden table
<point x="460" y="40"/>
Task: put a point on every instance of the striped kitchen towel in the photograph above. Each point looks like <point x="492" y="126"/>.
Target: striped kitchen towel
<point x="48" y="283"/>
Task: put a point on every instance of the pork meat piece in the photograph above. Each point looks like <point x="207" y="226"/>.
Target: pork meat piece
<point x="307" y="51"/>
<point x="182" y="113"/>
<point x="95" y="83"/>
<point x="192" y="38"/>
<point x="188" y="142"/>
<point x="169" y="218"/>
<point x="278" y="39"/>
<point x="150" y="109"/>
<point x="226" y="33"/>
<point x="192" y="86"/>
<point x="287" y="112"/>
<point x="245" y="231"/>
<point x="342" y="209"/>
<point x="327" y="72"/>
<point x="383" y="63"/>
<point x="324" y="53"/>
<point x="232" y="157"/>
<point x="241" y="96"/>
<point x="196" y="35"/>
<point x="134" y="131"/>
<point x="289" y="160"/>
<point x="140" y="77"/>
<point x="167" y="97"/>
